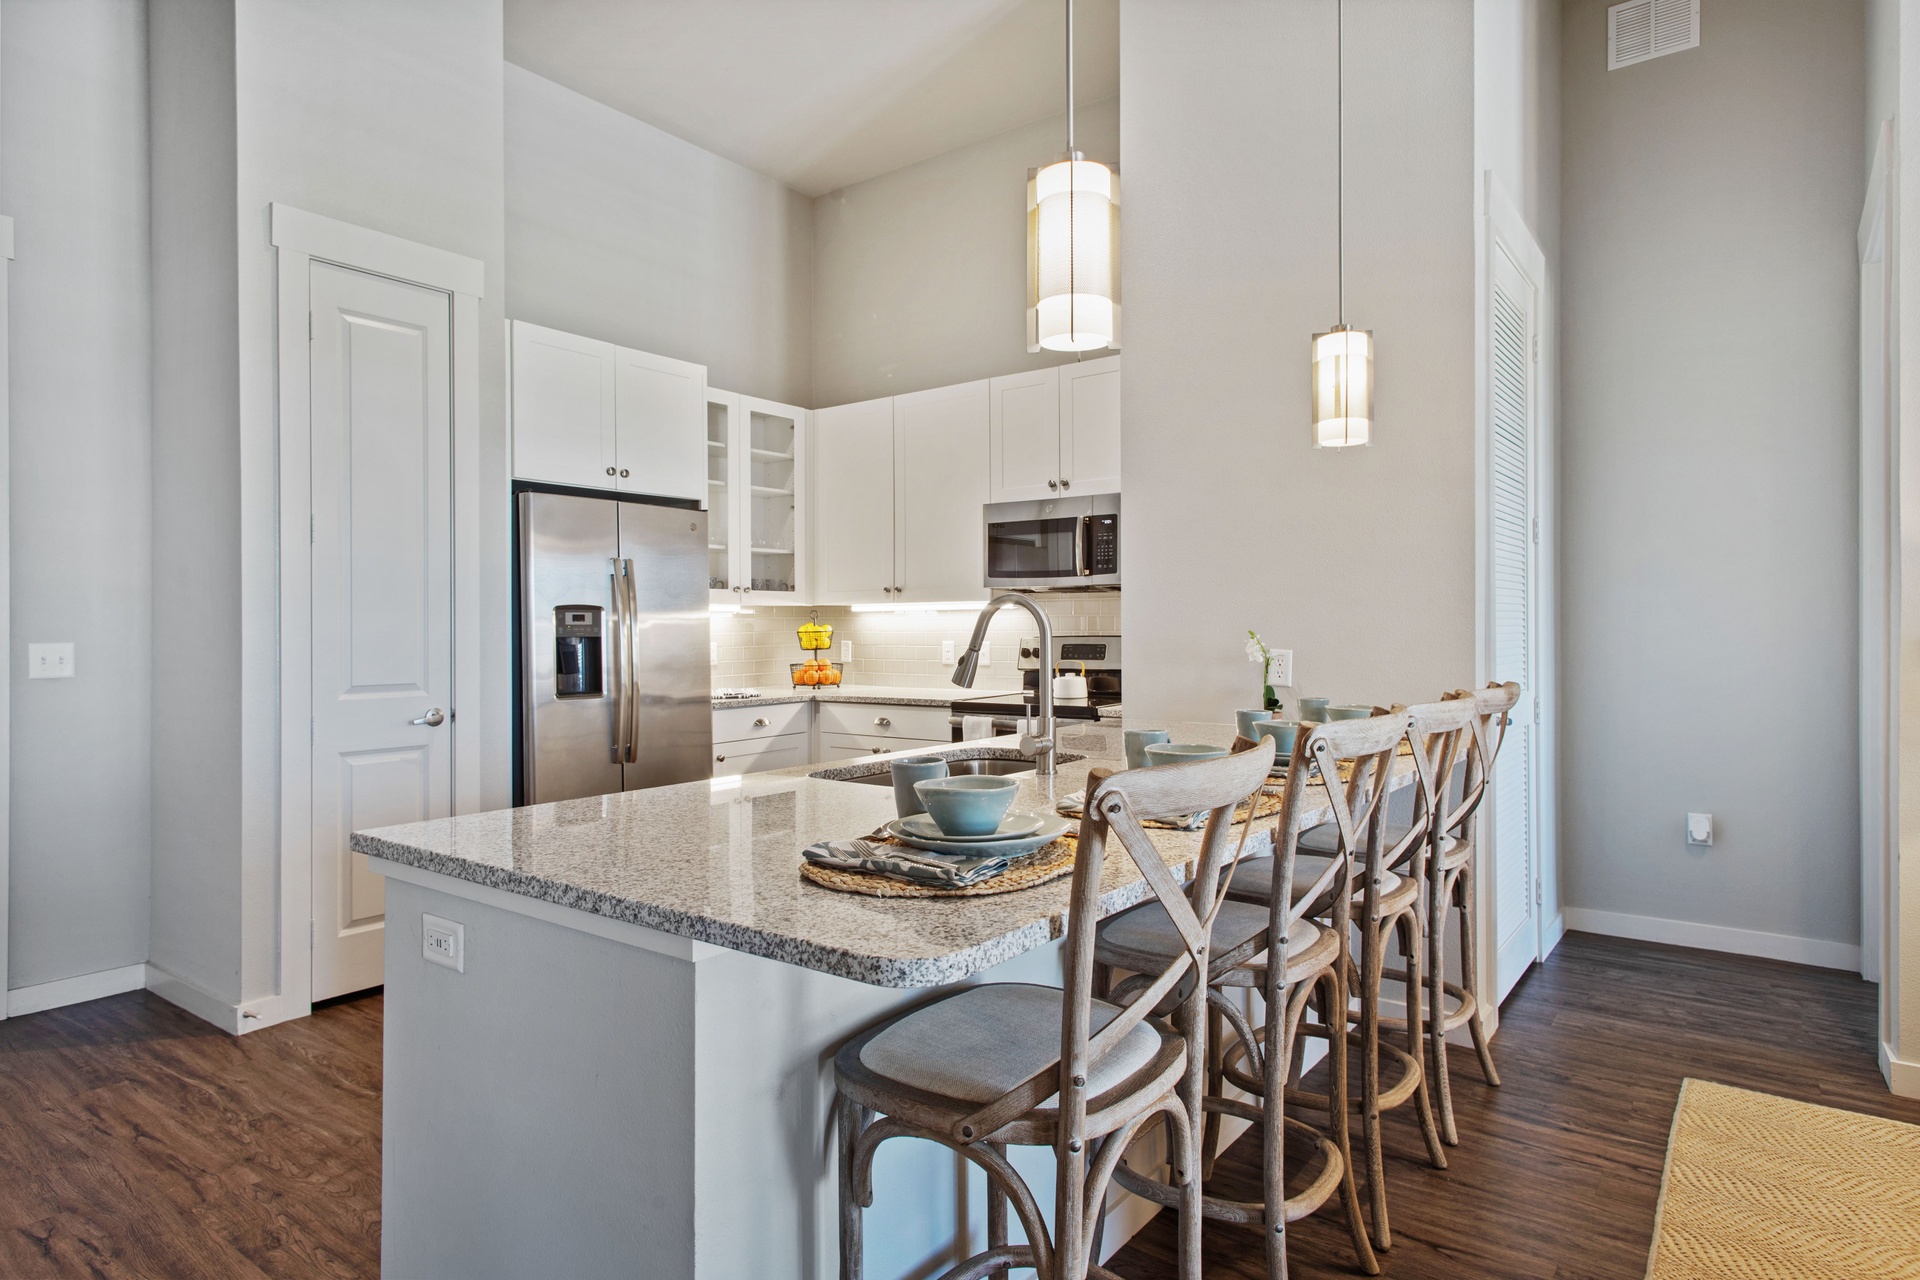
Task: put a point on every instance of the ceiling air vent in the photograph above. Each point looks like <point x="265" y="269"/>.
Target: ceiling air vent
<point x="1642" y="29"/>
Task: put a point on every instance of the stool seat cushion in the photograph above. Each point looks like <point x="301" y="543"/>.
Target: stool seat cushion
<point x="1325" y="838"/>
<point x="980" y="1042"/>
<point x="1146" y="930"/>
<point x="1253" y="878"/>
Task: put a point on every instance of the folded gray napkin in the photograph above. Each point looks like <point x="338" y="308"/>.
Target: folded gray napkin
<point x="1074" y="805"/>
<point x="878" y="856"/>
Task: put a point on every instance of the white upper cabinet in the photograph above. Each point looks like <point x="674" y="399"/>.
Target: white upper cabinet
<point x="1055" y="431"/>
<point x="1024" y="436"/>
<point x="590" y="414"/>
<point x="756" y="454"/>
<point x="852" y="502"/>
<point x="940" y="483"/>
<point x="660" y="414"/>
<point x="563" y="418"/>
<point x="1090" y="426"/>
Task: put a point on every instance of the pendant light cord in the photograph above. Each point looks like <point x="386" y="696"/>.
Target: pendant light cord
<point x="1073" y="279"/>
<point x="1339" y="151"/>
<point x="1069" y="78"/>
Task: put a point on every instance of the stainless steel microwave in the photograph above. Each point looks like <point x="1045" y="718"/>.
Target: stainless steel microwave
<point x="1054" y="543"/>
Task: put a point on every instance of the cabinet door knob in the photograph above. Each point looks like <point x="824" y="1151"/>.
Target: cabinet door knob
<point x="609" y="470"/>
<point x="720" y="759"/>
<point x="882" y="722"/>
<point x="1064" y="483"/>
<point x="763" y="723"/>
<point x="1053" y="484"/>
<point x="623" y="473"/>
<point x="879" y="750"/>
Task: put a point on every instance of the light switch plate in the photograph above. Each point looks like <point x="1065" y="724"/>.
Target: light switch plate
<point x="443" y="942"/>
<point x="846" y="651"/>
<point x="50" y="661"/>
<point x="1700" y="829"/>
<point x="1280" y="671"/>
<point x="946" y="651"/>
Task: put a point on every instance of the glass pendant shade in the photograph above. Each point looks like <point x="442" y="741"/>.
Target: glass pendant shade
<point x="1342" y="387"/>
<point x="1073" y="257"/>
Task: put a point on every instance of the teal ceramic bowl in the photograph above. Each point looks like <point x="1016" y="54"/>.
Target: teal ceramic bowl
<point x="969" y="805"/>
<point x="1313" y="710"/>
<point x="1182" y="752"/>
<point x="1283" y="732"/>
<point x="1349" y="713"/>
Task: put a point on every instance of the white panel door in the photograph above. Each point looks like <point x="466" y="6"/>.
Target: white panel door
<point x="563" y="408"/>
<point x="939" y="485"/>
<point x="1024" y="440"/>
<point x="660" y="415"/>
<point x="1090" y="426"/>
<point x="1512" y="389"/>
<point x="381" y="371"/>
<point x="853" y="503"/>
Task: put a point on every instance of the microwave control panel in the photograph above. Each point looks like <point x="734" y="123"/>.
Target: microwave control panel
<point x="1103" y="549"/>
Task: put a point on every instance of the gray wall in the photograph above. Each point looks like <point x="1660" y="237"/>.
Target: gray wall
<point x="1361" y="561"/>
<point x="625" y="233"/>
<point x="920" y="273"/>
<point x="1883" y="67"/>
<point x="73" y="175"/>
<point x="1708" y="493"/>
<point x="196" y="490"/>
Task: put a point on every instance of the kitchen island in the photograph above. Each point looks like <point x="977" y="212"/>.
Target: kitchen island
<point x="631" y="1070"/>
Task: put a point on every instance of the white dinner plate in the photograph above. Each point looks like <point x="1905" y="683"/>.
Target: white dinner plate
<point x="1052" y="827"/>
<point x="1012" y="827"/>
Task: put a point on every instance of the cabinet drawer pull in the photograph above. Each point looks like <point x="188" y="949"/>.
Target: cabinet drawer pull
<point x="883" y="722"/>
<point x="763" y="723"/>
<point x="879" y="750"/>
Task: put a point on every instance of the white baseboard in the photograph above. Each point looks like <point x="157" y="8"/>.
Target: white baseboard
<point x="1556" y="930"/>
<point x="176" y="990"/>
<point x="1817" y="952"/>
<point x="1903" y="1078"/>
<point x="88" y="986"/>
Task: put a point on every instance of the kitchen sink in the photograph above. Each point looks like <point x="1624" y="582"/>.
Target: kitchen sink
<point x="993" y="766"/>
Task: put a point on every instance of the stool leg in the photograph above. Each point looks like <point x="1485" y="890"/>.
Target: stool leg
<point x="1408" y="928"/>
<point x="1273" y="1133"/>
<point x="852" y="1120"/>
<point x="996" y="1208"/>
<point x="1216" y="1086"/>
<point x="1468" y="980"/>
<point x="1439" y="906"/>
<point x="1373" y="945"/>
<point x="1338" y="1102"/>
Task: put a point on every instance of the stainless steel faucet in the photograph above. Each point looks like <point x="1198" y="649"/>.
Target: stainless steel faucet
<point x="1039" y="746"/>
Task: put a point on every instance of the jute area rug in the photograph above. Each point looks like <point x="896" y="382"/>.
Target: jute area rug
<point x="1758" y="1188"/>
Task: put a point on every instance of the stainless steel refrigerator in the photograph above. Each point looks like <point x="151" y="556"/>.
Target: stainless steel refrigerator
<point x="615" y="693"/>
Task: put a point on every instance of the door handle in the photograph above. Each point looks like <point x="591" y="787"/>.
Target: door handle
<point x="433" y="719"/>
<point x="630" y="608"/>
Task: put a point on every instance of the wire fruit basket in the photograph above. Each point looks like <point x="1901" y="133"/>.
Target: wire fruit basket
<point x="816" y="673"/>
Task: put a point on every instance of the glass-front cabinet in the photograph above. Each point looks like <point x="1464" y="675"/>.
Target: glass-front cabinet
<point x="756" y="480"/>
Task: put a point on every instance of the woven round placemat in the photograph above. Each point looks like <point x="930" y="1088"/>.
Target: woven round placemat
<point x="1049" y="862"/>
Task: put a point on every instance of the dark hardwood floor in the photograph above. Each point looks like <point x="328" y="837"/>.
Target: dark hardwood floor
<point x="1557" y="1171"/>
<point x="137" y="1141"/>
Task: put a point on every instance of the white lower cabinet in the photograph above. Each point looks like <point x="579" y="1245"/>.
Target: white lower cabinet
<point x="757" y="755"/>
<point x="847" y="746"/>
<point x="886" y="721"/>
<point x="790" y="734"/>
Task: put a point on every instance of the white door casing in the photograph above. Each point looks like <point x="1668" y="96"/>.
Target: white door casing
<point x="1879" y="593"/>
<point x="940" y="483"/>
<point x="1512" y="847"/>
<point x="381" y="386"/>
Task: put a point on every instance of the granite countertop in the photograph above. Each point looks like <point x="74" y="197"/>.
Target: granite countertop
<point x="718" y="862"/>
<point x="927" y="696"/>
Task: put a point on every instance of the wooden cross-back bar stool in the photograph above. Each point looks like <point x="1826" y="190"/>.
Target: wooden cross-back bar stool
<point x="1273" y="948"/>
<point x="1389" y="872"/>
<point x="1005" y="1064"/>
<point x="1451" y="889"/>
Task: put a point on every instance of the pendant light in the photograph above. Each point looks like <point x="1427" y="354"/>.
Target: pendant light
<point x="1073" y="246"/>
<point x="1342" y="357"/>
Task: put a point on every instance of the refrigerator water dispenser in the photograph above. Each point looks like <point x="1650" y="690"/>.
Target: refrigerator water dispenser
<point x="576" y="643"/>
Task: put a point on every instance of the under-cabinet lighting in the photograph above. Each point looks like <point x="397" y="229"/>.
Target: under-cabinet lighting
<point x="935" y="606"/>
<point x="714" y="609"/>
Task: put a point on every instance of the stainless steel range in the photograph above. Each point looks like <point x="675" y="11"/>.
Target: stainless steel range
<point x="1099" y="654"/>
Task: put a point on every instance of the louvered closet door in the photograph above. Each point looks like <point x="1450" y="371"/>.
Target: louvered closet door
<point x="1514" y="803"/>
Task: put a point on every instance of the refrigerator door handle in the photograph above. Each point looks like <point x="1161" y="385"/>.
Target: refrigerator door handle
<point x="617" y="660"/>
<point x="630" y="645"/>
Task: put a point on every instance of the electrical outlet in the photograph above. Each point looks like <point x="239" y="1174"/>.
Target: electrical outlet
<point x="443" y="942"/>
<point x="50" y="661"/>
<point x="946" y="651"/>
<point x="846" y="651"/>
<point x="1700" y="829"/>
<point x="1280" y="671"/>
<point x="986" y="653"/>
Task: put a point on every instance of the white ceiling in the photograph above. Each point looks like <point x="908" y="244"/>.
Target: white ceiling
<point x="822" y="93"/>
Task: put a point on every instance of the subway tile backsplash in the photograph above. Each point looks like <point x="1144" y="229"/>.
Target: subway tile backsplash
<point x="901" y="650"/>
